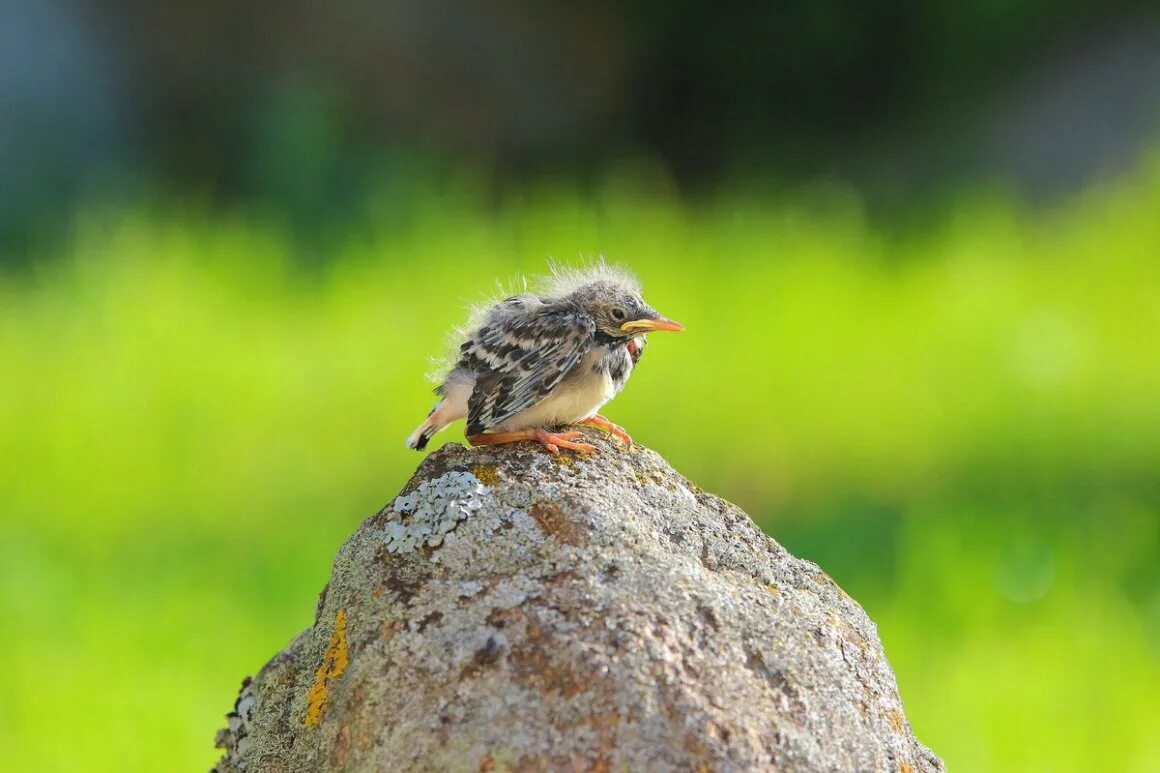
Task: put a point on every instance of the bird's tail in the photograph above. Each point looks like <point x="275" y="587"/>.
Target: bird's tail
<point x="424" y="432"/>
<point x="455" y="393"/>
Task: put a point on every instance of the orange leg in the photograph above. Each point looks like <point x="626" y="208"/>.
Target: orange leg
<point x="600" y="422"/>
<point x="551" y="441"/>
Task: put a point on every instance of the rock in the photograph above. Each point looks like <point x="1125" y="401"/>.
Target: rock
<point x="515" y="611"/>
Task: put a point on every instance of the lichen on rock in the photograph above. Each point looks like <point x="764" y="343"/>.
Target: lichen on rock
<point x="432" y="509"/>
<point x="601" y="615"/>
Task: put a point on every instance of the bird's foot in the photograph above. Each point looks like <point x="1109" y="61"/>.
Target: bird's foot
<point x="554" y="441"/>
<point x="551" y="441"/>
<point x="602" y="423"/>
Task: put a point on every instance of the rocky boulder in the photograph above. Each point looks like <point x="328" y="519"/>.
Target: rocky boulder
<point x="511" y="610"/>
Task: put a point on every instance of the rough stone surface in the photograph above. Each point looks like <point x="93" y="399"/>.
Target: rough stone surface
<point x="514" y="611"/>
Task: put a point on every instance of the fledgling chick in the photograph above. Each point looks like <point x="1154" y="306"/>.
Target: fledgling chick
<point x="532" y="364"/>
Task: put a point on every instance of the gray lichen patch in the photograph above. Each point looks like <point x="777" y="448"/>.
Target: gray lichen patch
<point x="434" y="508"/>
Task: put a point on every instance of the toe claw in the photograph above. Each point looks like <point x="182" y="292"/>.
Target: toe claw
<point x="582" y="448"/>
<point x="554" y="441"/>
<point x="603" y="424"/>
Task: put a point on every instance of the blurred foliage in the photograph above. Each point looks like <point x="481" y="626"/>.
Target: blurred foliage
<point x="291" y="103"/>
<point x="960" y="423"/>
<point x="725" y="84"/>
<point x="704" y="85"/>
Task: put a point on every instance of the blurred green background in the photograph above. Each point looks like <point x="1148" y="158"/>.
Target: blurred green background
<point x="920" y="280"/>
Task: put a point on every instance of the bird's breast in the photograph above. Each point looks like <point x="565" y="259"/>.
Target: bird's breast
<point x="593" y="382"/>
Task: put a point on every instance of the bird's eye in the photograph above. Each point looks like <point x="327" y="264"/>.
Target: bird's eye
<point x="618" y="314"/>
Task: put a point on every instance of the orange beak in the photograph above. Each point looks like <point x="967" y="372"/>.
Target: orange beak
<point x="651" y="325"/>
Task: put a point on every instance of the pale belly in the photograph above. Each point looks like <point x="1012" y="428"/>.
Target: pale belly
<point x="578" y="398"/>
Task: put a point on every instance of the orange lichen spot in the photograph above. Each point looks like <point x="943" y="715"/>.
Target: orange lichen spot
<point x="487" y="474"/>
<point x="334" y="662"/>
<point x="906" y="767"/>
<point x="776" y="591"/>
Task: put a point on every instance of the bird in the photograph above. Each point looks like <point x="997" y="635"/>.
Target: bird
<point x="534" y="366"/>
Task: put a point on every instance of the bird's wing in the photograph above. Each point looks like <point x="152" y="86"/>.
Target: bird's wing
<point x="520" y="359"/>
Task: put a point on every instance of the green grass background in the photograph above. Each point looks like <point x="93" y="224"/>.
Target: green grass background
<point x="960" y="421"/>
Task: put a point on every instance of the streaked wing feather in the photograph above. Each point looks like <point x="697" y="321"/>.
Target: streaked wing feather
<point x="519" y="361"/>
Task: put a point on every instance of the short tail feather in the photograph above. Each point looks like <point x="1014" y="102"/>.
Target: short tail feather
<point x="422" y="435"/>
<point x="451" y="408"/>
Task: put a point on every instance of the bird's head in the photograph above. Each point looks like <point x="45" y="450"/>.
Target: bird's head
<point x="619" y="310"/>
